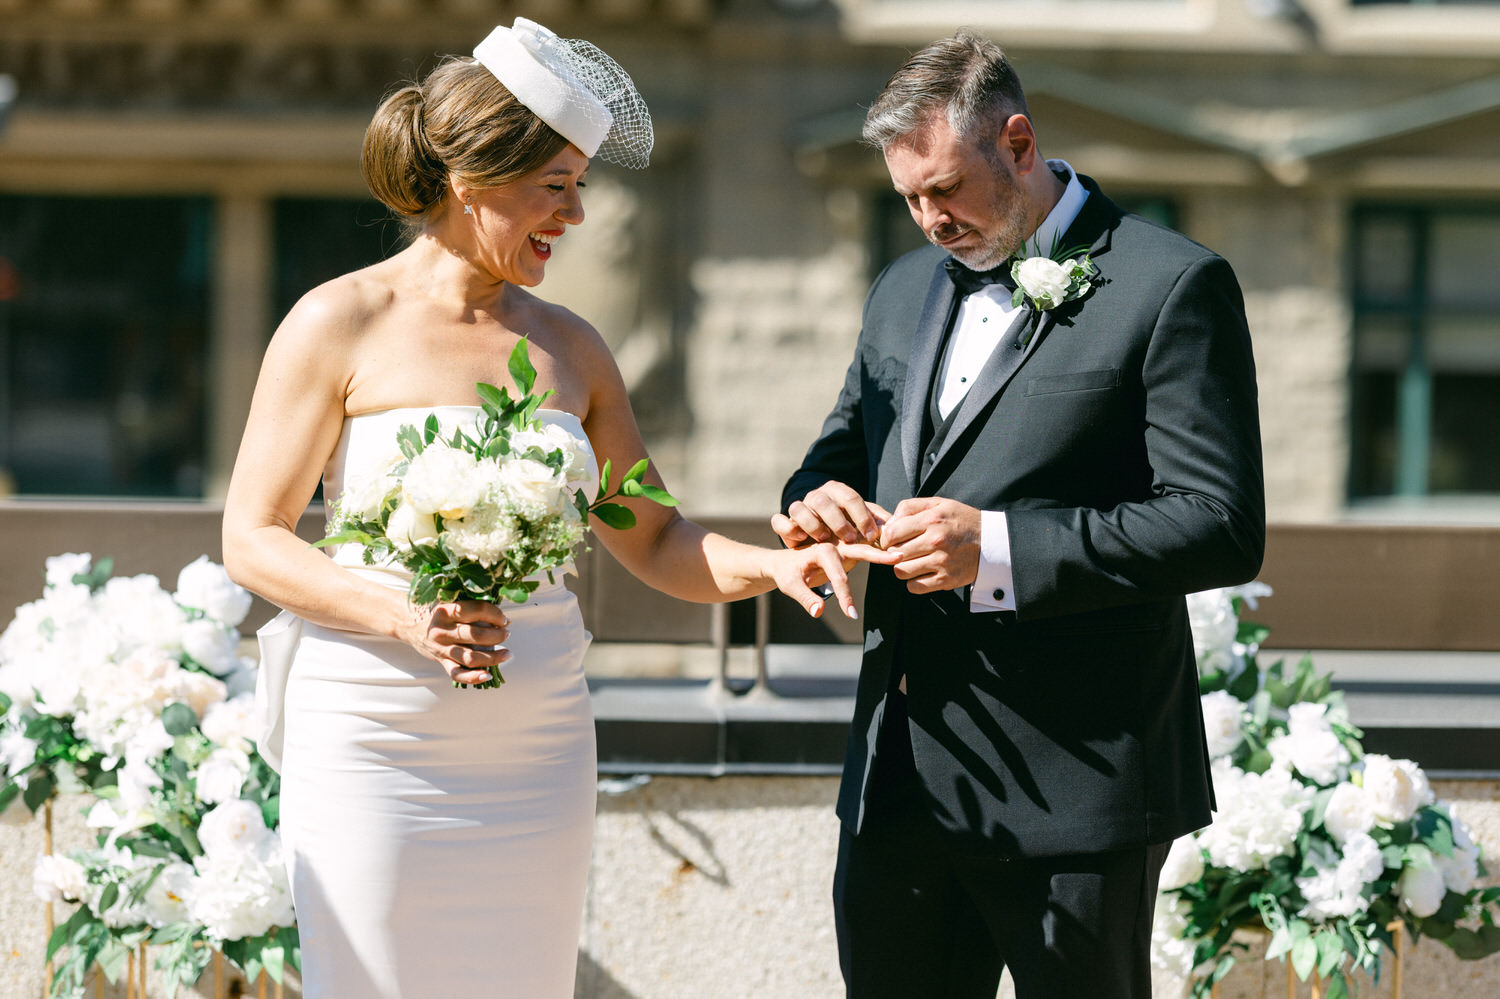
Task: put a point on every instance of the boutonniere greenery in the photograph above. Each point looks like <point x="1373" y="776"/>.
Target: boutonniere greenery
<point x="1045" y="281"/>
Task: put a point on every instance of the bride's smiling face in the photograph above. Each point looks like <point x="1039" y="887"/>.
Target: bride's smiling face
<point x="516" y="224"/>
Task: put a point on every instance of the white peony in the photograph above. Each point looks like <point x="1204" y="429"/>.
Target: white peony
<point x="59" y="879"/>
<point x="1397" y="788"/>
<point x="205" y="586"/>
<point x="1043" y="280"/>
<point x="1421" y="886"/>
<point x="1222" y="715"/>
<point x="143" y="615"/>
<point x="165" y="902"/>
<point x="1349" y="811"/>
<point x="364" y="494"/>
<point x="241" y="887"/>
<point x="1183" y="866"/>
<point x="406" y="527"/>
<point x="231" y="723"/>
<point x="1340" y="890"/>
<point x="1310" y="746"/>
<point x="211" y="645"/>
<point x="534" y="488"/>
<point x="443" y="480"/>
<point x="233" y="825"/>
<point x="1258" y="818"/>
<point x="221" y="777"/>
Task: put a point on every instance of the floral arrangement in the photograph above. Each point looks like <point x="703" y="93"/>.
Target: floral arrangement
<point x="118" y="688"/>
<point x="1047" y="280"/>
<point x="478" y="514"/>
<point x="1325" y="847"/>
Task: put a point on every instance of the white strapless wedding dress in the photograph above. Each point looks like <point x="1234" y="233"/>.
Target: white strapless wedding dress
<point x="438" y="839"/>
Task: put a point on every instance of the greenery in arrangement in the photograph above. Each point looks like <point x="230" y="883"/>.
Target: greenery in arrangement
<point x="1321" y="845"/>
<point x="137" y="696"/>
<point x="480" y="510"/>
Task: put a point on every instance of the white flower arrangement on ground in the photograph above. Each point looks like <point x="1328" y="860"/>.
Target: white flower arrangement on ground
<point x="116" y="687"/>
<point x="479" y="512"/>
<point x="1317" y="842"/>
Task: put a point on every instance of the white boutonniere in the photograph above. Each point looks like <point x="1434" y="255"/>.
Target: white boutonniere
<point x="1046" y="281"/>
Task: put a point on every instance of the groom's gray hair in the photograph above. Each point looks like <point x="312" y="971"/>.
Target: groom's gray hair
<point x="967" y="76"/>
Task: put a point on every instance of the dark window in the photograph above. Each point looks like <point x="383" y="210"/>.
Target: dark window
<point x="103" y="337"/>
<point x="1426" y="367"/>
<point x="317" y="239"/>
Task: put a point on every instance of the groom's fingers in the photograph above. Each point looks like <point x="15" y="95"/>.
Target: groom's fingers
<point x="787" y="530"/>
<point x="835" y="511"/>
<point x="870" y="553"/>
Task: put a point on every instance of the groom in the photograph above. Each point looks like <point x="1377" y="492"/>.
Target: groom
<point x="1027" y="738"/>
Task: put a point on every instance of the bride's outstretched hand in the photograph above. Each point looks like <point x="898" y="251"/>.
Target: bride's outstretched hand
<point x="798" y="570"/>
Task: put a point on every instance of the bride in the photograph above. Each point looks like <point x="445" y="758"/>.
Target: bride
<point x="439" y="837"/>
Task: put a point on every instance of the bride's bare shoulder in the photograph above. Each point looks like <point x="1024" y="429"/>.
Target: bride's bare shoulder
<point x="339" y="310"/>
<point x="565" y="333"/>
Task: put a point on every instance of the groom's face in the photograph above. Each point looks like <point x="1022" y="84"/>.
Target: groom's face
<point x="963" y="192"/>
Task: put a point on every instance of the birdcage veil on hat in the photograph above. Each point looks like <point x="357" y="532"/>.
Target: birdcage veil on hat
<point x="574" y="87"/>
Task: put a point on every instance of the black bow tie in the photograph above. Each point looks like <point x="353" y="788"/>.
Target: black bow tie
<point x="967" y="282"/>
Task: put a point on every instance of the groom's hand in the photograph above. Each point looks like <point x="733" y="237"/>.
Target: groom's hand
<point x="830" y="513"/>
<point x="940" y="541"/>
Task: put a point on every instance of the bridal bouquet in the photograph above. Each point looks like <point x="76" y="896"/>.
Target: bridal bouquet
<point x="478" y="512"/>
<point x="1325" y="847"/>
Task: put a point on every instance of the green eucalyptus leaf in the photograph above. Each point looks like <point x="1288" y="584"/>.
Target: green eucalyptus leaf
<point x="178" y="718"/>
<point x="1473" y="945"/>
<point x="492" y="397"/>
<point x="410" y="440"/>
<point x="638" y="469"/>
<point x="38" y="790"/>
<point x="431" y="429"/>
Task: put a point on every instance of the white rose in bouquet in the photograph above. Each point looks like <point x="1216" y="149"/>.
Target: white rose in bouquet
<point x="1349" y="811"/>
<point x="1259" y="817"/>
<point x="443" y="480"/>
<point x="551" y="437"/>
<point x="205" y="586"/>
<point x="1397" y="788"/>
<point x="407" y="527"/>
<point x="1421" y="886"/>
<point x="17" y="752"/>
<point x="1222" y="714"/>
<point x="1184" y="864"/>
<point x="534" y="488"/>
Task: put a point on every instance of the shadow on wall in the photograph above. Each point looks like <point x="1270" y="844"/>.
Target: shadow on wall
<point x="595" y="983"/>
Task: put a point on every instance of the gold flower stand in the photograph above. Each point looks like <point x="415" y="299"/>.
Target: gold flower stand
<point x="1398" y="933"/>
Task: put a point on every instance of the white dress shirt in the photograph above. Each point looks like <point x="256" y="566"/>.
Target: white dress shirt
<point x="983" y="320"/>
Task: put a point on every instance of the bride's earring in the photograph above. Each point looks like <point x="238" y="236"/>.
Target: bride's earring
<point x="468" y="208"/>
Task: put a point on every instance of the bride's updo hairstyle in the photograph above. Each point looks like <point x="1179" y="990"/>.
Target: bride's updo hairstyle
<point x="460" y="121"/>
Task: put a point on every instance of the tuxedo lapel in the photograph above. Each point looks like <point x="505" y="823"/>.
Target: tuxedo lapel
<point x="921" y="364"/>
<point x="1090" y="228"/>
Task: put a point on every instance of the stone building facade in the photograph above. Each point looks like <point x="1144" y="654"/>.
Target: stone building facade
<point x="174" y="172"/>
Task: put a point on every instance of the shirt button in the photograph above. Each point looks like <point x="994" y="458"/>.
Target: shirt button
<point x="999" y="594"/>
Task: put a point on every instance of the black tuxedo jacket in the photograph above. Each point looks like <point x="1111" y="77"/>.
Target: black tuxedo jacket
<point x="1125" y="452"/>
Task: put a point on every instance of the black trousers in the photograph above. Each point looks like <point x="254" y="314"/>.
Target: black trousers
<point x="917" y="917"/>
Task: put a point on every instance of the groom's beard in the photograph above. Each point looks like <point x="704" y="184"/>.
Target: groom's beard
<point x="1011" y="227"/>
